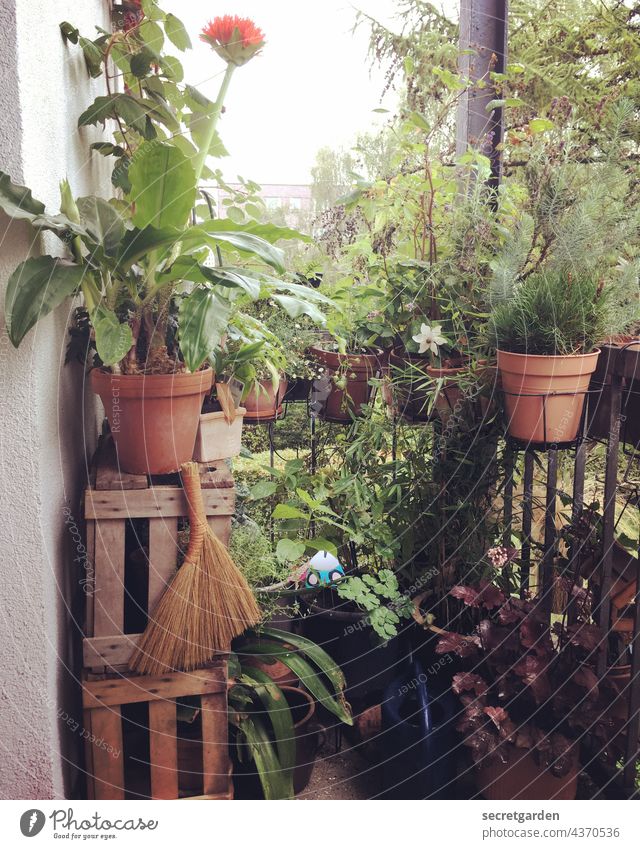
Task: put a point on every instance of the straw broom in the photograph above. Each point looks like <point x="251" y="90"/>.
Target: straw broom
<point x="206" y="605"/>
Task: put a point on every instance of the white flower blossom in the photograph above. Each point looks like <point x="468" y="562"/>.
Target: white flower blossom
<point x="429" y="338"/>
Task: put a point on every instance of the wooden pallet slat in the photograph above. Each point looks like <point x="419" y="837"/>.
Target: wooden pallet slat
<point x="157" y="501"/>
<point x="163" y="749"/>
<point x="108" y="753"/>
<point x="144" y="688"/>
<point x="214" y="738"/>
<point x="108" y="608"/>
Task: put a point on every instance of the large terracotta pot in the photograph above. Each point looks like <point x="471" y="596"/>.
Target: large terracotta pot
<point x="332" y="403"/>
<point x="544" y="395"/>
<point x="263" y="403"/>
<point x="153" y="418"/>
<point x="522" y="778"/>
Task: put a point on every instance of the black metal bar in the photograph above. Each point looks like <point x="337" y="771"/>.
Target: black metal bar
<point x="550" y="532"/>
<point x="633" y="728"/>
<point x="609" y="515"/>
<point x="508" y="496"/>
<point x="578" y="480"/>
<point x="527" y="520"/>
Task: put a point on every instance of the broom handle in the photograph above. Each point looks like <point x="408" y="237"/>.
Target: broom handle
<point x="197" y="516"/>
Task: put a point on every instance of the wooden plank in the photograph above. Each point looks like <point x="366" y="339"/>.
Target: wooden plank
<point x="90" y="577"/>
<point x="221" y="526"/>
<point x="219" y="797"/>
<point x="108" y="598"/>
<point x="157" y="501"/>
<point x="109" y="475"/>
<point x="108" y="755"/>
<point x="111" y="652"/>
<point x="215" y="476"/>
<point x="146" y="688"/>
<point x="88" y="754"/>
<point x="163" y="749"/>
<point x="163" y="551"/>
<point x="216" y="767"/>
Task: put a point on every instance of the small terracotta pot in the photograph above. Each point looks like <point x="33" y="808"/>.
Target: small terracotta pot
<point x="522" y="778"/>
<point x="277" y="671"/>
<point x="263" y="403"/>
<point x="153" y="418"/>
<point x="216" y="438"/>
<point x="544" y="395"/>
<point x="328" y="400"/>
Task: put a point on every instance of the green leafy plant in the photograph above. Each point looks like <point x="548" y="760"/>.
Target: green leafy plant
<point x="379" y="595"/>
<point x="139" y="261"/>
<point x="271" y="744"/>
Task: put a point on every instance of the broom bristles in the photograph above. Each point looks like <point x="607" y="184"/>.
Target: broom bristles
<point x="205" y="606"/>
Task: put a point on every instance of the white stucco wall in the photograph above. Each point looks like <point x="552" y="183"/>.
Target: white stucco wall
<point x="45" y="430"/>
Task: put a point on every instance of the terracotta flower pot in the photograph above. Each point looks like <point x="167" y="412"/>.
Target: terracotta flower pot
<point x="153" y="418"/>
<point x="334" y="403"/>
<point x="544" y="395"/>
<point x="216" y="438"/>
<point x="522" y="778"/>
<point x="263" y="404"/>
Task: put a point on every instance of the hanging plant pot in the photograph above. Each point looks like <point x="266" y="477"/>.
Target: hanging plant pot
<point x="340" y="394"/>
<point x="599" y="410"/>
<point x="153" y="418"/>
<point x="216" y="438"/>
<point x="544" y="396"/>
<point x="521" y="777"/>
<point x="263" y="403"/>
<point x="412" y="388"/>
<point x="298" y="389"/>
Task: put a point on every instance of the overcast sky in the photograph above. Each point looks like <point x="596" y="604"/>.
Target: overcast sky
<point x="312" y="85"/>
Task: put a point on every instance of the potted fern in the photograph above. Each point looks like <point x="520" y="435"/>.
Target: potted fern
<point x="546" y="335"/>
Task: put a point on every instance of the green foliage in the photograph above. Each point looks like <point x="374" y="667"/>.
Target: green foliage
<point x="380" y="596"/>
<point x="553" y="313"/>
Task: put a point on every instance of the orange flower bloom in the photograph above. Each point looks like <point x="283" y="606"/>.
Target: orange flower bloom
<point x="234" y="39"/>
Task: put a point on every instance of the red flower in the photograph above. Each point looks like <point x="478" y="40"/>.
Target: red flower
<point x="235" y="39"/>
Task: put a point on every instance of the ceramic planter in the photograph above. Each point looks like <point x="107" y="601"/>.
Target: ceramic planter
<point x="153" y="418"/>
<point x="341" y="404"/>
<point x="347" y="637"/>
<point x="522" y="778"/>
<point x="544" y="396"/>
<point x="216" y="438"/>
<point x="263" y="403"/>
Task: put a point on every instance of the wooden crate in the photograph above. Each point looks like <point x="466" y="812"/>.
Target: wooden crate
<point x="132" y="742"/>
<point x="115" y="503"/>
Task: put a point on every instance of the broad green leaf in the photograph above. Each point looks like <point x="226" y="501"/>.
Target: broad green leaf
<point x="69" y="32"/>
<point x="295" y="307"/>
<point x="107" y="149"/>
<point x="163" y="186"/>
<point x="172" y="68"/>
<point x="198" y="127"/>
<point x="540" y="125"/>
<point x="275" y="783"/>
<point x="246" y="243"/>
<point x="103" y="223"/>
<point x="263" y="489"/>
<point x="35" y="288"/>
<point x="92" y="57"/>
<point x="141" y="62"/>
<point x="113" y="338"/>
<point x="203" y="320"/>
<point x="176" y="32"/>
<point x="132" y="111"/>
<point x="279" y="713"/>
<point x="17" y="201"/>
<point x="137" y="243"/>
<point x="286" y="511"/>
<point x="322" y="544"/>
<point x="325" y="663"/>
<point x="289" y="549"/>
<point x="271" y="232"/>
<point x="151" y="10"/>
<point x="151" y="33"/>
